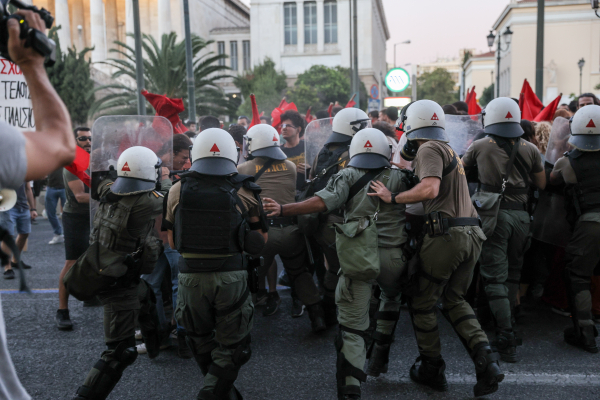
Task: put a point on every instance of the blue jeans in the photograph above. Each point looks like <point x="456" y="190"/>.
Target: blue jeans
<point x="21" y="218"/>
<point x="52" y="197"/>
<point x="168" y="259"/>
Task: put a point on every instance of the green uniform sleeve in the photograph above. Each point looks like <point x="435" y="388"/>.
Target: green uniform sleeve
<point x="104" y="187"/>
<point x="335" y="194"/>
<point x="537" y="161"/>
<point x="165" y="186"/>
<point x="469" y="158"/>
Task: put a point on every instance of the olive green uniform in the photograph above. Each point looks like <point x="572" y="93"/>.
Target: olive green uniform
<point x="582" y="252"/>
<point x="278" y="182"/>
<point x="447" y="261"/>
<point x="502" y="254"/>
<point x="353" y="296"/>
<point x="214" y="307"/>
<point x="123" y="305"/>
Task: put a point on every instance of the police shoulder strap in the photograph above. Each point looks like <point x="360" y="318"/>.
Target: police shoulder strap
<point x="520" y="163"/>
<point x="511" y="162"/>
<point x="364" y="180"/>
<point x="265" y="167"/>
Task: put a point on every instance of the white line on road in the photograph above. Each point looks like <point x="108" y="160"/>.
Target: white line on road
<point x="522" y="378"/>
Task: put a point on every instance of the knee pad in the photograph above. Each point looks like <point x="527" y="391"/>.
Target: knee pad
<point x="242" y="352"/>
<point x="343" y="366"/>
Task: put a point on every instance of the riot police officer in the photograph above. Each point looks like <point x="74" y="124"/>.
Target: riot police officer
<point x="121" y="232"/>
<point x="448" y="252"/>
<point x="277" y="179"/>
<point x="506" y="165"/>
<point x="332" y="158"/>
<point x="579" y="169"/>
<point x="370" y="153"/>
<point x="212" y="216"/>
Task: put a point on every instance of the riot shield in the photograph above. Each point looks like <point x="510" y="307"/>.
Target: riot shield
<point x="461" y="130"/>
<point x="315" y="135"/>
<point x="558" y="142"/>
<point x="114" y="134"/>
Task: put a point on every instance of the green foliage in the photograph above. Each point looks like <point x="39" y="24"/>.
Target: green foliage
<point x="438" y="86"/>
<point x="266" y="83"/>
<point x="320" y="85"/>
<point x="466" y="57"/>
<point x="70" y="76"/>
<point x="487" y="95"/>
<point x="164" y="73"/>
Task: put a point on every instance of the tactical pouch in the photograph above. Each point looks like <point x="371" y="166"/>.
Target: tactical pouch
<point x="254" y="263"/>
<point x="434" y="224"/>
<point x="357" y="248"/>
<point x="88" y="276"/>
<point x="487" y="205"/>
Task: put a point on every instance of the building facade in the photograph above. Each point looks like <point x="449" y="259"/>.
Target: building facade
<point x="572" y="32"/>
<point x="479" y="71"/>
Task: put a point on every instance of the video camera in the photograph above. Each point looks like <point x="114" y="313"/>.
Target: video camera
<point x="33" y="38"/>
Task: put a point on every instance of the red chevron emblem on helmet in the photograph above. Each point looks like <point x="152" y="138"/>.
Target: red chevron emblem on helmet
<point x="215" y="149"/>
<point x="435" y="117"/>
<point x="126" y="167"/>
<point x="508" y="115"/>
<point x="591" y="124"/>
<point x="368" y="144"/>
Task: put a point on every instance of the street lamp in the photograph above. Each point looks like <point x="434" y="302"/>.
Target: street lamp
<point x="580" y="64"/>
<point x="499" y="49"/>
<point x="595" y="6"/>
<point x="396" y="44"/>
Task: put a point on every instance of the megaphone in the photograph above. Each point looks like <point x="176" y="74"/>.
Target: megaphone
<point x="8" y="199"/>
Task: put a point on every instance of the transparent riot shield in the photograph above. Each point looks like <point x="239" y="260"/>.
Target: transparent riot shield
<point x="315" y="136"/>
<point x="114" y="134"/>
<point x="558" y="142"/>
<point x="461" y="130"/>
<point x="549" y="220"/>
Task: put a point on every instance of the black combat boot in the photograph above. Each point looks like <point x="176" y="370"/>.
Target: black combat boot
<point x="506" y="344"/>
<point x="379" y="358"/>
<point x="584" y="338"/>
<point x="317" y="317"/>
<point x="430" y="372"/>
<point x="487" y="368"/>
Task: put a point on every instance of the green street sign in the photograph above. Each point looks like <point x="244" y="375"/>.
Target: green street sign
<point x="397" y="79"/>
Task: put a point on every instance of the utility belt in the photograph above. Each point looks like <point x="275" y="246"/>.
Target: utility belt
<point x="437" y="225"/>
<point x="194" y="263"/>
<point x="508" y="191"/>
<point x="281" y="221"/>
<point x="513" y="205"/>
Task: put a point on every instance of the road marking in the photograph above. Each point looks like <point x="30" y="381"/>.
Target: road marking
<point x="523" y="378"/>
<point x="12" y="291"/>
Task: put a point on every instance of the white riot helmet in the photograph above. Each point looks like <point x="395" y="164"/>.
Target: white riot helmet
<point x="502" y="117"/>
<point x="585" y="129"/>
<point x="346" y="123"/>
<point x="214" y="153"/>
<point x="8" y="199"/>
<point x="137" y="171"/>
<point x="370" y="149"/>
<point x="263" y="141"/>
<point x="423" y="120"/>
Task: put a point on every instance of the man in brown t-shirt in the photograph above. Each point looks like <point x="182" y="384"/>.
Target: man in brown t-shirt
<point x="277" y="178"/>
<point x="449" y="252"/>
<point x="502" y="254"/>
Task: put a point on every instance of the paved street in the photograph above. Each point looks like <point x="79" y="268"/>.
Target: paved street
<point x="288" y="361"/>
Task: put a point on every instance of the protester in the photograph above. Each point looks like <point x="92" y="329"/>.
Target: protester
<point x="322" y="114"/>
<point x="243" y="121"/>
<point x="264" y="119"/>
<point x="20" y="220"/>
<point x="76" y="223"/>
<point x="238" y="132"/>
<point x="542" y="133"/>
<point x="389" y="115"/>
<point x="191" y="125"/>
<point x="390" y="134"/>
<point x="529" y="132"/>
<point x="561" y="112"/>
<point x="209" y="122"/>
<point x="55" y="191"/>
<point x="586" y="99"/>
<point x="374" y="115"/>
<point x="336" y="109"/>
<point x="292" y="130"/>
<point x="461" y="106"/>
<point x="449" y="109"/>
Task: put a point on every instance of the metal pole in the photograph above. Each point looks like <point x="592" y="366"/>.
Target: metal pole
<point x="350" y="46"/>
<point x="395" y="55"/>
<point x="356" y="79"/>
<point x="189" y="58"/>
<point x="498" y="71"/>
<point x="539" y="54"/>
<point x="139" y="60"/>
<point x="580" y="78"/>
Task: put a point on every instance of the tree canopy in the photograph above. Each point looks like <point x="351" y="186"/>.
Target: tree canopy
<point x="267" y="84"/>
<point x="487" y="95"/>
<point x="438" y="86"/>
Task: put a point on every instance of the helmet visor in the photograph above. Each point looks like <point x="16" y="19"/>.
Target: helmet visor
<point x="585" y="142"/>
<point x="507" y="130"/>
<point x="273" y="152"/>
<point x="369" y="161"/>
<point x="214" y="166"/>
<point x="428" y="133"/>
<point x="124" y="185"/>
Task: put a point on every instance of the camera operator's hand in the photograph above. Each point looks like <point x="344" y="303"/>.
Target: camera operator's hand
<point x="21" y="55"/>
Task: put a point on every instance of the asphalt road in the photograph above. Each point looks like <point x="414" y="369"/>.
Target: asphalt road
<point x="288" y="361"/>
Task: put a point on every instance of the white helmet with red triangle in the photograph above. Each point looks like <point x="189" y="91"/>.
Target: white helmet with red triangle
<point x="502" y="117"/>
<point x="214" y="153"/>
<point x="137" y="171"/>
<point x="263" y="141"/>
<point x="585" y="129"/>
<point x="370" y="149"/>
<point x="423" y="120"/>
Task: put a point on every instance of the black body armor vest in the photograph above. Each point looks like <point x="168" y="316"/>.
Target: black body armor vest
<point x="327" y="158"/>
<point x="585" y="195"/>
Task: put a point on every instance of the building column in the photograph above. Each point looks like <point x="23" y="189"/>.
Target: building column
<point x="98" y="30"/>
<point x="129" y="28"/>
<point x="300" y="25"/>
<point x="62" y="20"/>
<point x="320" y="26"/>
<point x="164" y="18"/>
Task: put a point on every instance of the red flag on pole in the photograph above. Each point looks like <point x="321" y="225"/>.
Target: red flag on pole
<point x="80" y="165"/>
<point x="351" y="103"/>
<point x="474" y="108"/>
<point x="468" y="96"/>
<point x="168" y="108"/>
<point x="308" y="117"/>
<point x="330" y="109"/>
<point x="255" y="116"/>
<point x="529" y="103"/>
<point x="548" y="113"/>
<point x="276" y="113"/>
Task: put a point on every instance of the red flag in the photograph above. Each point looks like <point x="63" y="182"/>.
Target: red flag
<point x="168" y="108"/>
<point x="468" y="96"/>
<point x="548" y="113"/>
<point x="474" y="108"/>
<point x="255" y="116"/>
<point x="79" y="165"/>
<point x="351" y="103"/>
<point x="529" y="103"/>
<point x="330" y="109"/>
<point x="276" y="113"/>
<point x="308" y="117"/>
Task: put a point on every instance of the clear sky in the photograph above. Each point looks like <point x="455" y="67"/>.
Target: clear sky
<point x="437" y="28"/>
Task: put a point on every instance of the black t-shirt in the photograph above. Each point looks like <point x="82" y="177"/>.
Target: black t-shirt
<point x="296" y="155"/>
<point x="55" y="179"/>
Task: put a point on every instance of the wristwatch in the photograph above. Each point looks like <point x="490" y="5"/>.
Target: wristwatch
<point x="394" y="197"/>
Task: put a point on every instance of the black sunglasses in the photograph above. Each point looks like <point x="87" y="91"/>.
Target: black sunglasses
<point x="84" y="138"/>
<point x="283" y="126"/>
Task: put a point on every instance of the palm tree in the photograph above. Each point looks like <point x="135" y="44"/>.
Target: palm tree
<point x="164" y="73"/>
